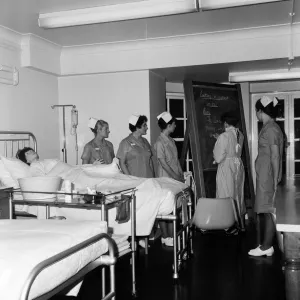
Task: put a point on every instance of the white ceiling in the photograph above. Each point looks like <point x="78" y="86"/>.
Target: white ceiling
<point x="22" y="16"/>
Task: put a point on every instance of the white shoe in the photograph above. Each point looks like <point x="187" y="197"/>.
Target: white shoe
<point x="258" y="252"/>
<point x="167" y="241"/>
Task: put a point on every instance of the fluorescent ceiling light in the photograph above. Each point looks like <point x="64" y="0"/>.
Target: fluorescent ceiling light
<point x="264" y="75"/>
<point x="217" y="4"/>
<point x="117" y="12"/>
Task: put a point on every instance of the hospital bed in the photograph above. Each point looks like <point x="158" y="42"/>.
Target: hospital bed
<point x="179" y="214"/>
<point x="43" y="258"/>
<point x="106" y="202"/>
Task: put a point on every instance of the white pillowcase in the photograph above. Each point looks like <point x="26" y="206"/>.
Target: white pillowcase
<point x="11" y="169"/>
<point x="5" y="177"/>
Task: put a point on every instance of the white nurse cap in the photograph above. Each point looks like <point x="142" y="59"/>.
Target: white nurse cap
<point x="266" y="100"/>
<point x="92" y="123"/>
<point x="133" y="119"/>
<point x="167" y="117"/>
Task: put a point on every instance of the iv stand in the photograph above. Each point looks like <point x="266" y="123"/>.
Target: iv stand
<point x="64" y="150"/>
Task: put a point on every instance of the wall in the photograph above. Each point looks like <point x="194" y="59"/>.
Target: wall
<point x="187" y="50"/>
<point x="172" y="87"/>
<point x="26" y="106"/>
<point x="112" y="97"/>
<point x="157" y="91"/>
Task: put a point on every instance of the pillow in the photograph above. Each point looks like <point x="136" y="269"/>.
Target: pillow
<point x="16" y="168"/>
<point x="102" y="170"/>
<point x="5" y="177"/>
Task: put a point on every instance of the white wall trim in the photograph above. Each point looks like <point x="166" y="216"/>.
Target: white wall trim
<point x="215" y="36"/>
<point x="40" y="54"/>
<point x="9" y="39"/>
<point x="197" y="49"/>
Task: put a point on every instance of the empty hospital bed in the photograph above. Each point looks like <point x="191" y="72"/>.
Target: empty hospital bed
<point x="41" y="258"/>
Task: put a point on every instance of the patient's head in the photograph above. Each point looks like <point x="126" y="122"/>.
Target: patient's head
<point x="27" y="155"/>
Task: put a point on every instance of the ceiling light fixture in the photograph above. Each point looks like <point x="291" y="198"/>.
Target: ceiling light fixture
<point x="117" y="12"/>
<point x="281" y="74"/>
<point x="218" y="4"/>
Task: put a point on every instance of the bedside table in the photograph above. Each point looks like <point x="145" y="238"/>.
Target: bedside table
<point x="5" y="210"/>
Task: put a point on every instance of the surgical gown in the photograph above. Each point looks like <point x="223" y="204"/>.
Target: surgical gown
<point x="230" y="175"/>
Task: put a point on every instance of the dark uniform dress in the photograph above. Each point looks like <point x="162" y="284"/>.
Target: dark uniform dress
<point x="137" y="155"/>
<point x="269" y="135"/>
<point x="92" y="152"/>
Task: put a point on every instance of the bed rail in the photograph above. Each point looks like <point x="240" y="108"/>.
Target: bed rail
<point x="109" y="259"/>
<point x="12" y="141"/>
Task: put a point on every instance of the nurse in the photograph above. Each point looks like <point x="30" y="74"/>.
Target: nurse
<point x="268" y="167"/>
<point x="134" y="153"/>
<point x="166" y="150"/>
<point x="168" y="164"/>
<point x="227" y="154"/>
<point x="98" y="150"/>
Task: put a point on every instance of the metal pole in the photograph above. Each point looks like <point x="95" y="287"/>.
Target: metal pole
<point x="64" y="133"/>
<point x="133" y="233"/>
<point x="64" y="128"/>
<point x="175" y="242"/>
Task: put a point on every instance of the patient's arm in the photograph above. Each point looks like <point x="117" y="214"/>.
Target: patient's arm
<point x="37" y="168"/>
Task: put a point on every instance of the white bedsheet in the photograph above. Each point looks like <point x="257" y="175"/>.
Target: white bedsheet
<point x="25" y="243"/>
<point x="154" y="196"/>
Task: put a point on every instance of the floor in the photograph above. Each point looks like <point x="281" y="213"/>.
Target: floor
<point x="220" y="269"/>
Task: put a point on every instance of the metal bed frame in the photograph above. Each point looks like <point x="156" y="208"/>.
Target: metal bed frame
<point x="182" y="233"/>
<point x="108" y="260"/>
<point x="103" y="206"/>
<point x="12" y="141"/>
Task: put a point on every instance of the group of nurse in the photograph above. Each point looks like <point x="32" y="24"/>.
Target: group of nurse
<point x="135" y="154"/>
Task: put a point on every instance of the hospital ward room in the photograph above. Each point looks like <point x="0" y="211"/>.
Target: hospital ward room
<point x="150" y="149"/>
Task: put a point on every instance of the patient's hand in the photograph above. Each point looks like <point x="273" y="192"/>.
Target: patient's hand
<point x="99" y="161"/>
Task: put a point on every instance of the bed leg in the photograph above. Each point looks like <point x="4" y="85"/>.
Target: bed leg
<point x="146" y="245"/>
<point x="133" y="273"/>
<point x="112" y="280"/>
<point x="175" y="266"/>
<point x="190" y="229"/>
<point x="103" y="282"/>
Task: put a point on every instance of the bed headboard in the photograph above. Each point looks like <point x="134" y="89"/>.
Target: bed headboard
<point x="12" y="141"/>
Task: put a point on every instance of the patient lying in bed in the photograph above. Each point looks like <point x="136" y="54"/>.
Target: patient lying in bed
<point x="155" y="196"/>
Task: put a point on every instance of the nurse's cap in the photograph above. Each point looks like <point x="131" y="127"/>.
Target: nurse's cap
<point x="92" y="123"/>
<point x="266" y="100"/>
<point x="133" y="119"/>
<point x="167" y="117"/>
